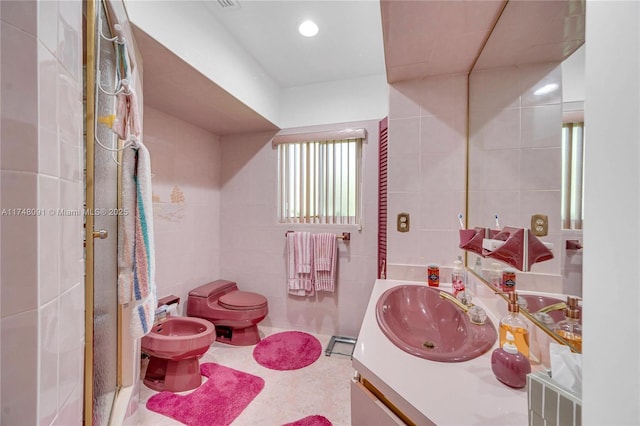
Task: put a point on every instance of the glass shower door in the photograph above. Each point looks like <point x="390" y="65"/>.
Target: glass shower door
<point x="105" y="303"/>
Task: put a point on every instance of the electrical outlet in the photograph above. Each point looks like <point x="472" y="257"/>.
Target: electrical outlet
<point x="403" y="222"/>
<point x="539" y="225"/>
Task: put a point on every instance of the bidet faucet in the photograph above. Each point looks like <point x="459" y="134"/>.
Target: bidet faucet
<point x="161" y="314"/>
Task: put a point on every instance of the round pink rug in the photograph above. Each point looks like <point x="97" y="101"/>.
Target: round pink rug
<point x="289" y="350"/>
<point x="311" y="421"/>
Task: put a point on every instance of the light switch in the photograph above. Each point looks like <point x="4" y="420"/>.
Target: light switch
<point x="403" y="222"/>
<point x="539" y="225"/>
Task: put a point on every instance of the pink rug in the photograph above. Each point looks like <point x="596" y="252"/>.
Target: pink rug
<point x="289" y="350"/>
<point x="311" y="421"/>
<point x="218" y="401"/>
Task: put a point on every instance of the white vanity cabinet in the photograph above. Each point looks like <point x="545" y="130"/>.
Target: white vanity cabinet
<point x="368" y="410"/>
<point x="394" y="387"/>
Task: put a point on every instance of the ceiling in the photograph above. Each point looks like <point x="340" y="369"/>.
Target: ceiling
<point x="348" y="44"/>
<point x="357" y="38"/>
<point x="200" y="102"/>
<point x="404" y="39"/>
<point x="428" y="37"/>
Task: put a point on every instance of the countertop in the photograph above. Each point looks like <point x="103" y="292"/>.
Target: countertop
<point x="460" y="393"/>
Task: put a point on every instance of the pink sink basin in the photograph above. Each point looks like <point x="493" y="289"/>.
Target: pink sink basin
<point x="419" y="322"/>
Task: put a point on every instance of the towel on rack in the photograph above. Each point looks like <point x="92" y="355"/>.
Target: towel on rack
<point x="299" y="283"/>
<point x="303" y="246"/>
<point x="127" y="114"/>
<point x="324" y="250"/>
<point x="136" y="254"/>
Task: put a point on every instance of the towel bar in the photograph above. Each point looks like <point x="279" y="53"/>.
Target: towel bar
<point x="345" y="236"/>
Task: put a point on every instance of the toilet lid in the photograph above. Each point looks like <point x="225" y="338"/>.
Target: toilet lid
<point x="242" y="300"/>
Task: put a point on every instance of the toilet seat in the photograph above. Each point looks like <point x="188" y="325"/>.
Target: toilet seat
<point x="242" y="301"/>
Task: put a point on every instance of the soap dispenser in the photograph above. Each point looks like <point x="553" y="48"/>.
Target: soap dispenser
<point x="509" y="365"/>
<point x="570" y="328"/>
<point x="514" y="324"/>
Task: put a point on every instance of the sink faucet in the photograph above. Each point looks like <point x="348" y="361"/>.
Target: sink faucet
<point x="555" y="307"/>
<point x="445" y="295"/>
<point x="477" y="315"/>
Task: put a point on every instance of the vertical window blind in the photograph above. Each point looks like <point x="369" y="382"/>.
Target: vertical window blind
<point x="319" y="181"/>
<point x="572" y="175"/>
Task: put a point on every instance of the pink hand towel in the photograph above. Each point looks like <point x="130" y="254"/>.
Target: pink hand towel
<point x="324" y="250"/>
<point x="303" y="246"/>
<point x="298" y="284"/>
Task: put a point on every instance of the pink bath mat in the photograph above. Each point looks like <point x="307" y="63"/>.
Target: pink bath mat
<point x="311" y="421"/>
<point x="289" y="350"/>
<point x="218" y="401"/>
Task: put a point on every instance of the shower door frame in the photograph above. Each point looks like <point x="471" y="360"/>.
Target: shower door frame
<point x="93" y="8"/>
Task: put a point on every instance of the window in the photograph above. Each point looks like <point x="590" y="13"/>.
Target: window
<point x="319" y="179"/>
<point x="572" y="175"/>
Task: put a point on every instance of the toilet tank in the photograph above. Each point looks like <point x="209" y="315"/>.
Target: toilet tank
<point x="200" y="297"/>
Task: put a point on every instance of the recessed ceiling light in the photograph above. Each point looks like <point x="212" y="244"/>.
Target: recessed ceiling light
<point x="308" y="28"/>
<point x="547" y="88"/>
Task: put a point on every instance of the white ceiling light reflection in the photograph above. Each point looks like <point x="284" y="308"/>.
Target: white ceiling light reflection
<point x="308" y="28"/>
<point x="547" y="88"/>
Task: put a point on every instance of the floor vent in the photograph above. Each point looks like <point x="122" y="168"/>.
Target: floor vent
<point x="341" y="345"/>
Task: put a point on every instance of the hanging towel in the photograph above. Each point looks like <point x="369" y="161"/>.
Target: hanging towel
<point x="324" y="250"/>
<point x="136" y="255"/>
<point x="303" y="246"/>
<point x="127" y="115"/>
<point x="299" y="283"/>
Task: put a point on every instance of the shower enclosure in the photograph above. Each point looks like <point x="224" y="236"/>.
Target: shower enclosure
<point x="101" y="181"/>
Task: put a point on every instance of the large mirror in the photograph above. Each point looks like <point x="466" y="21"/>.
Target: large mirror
<point x="526" y="79"/>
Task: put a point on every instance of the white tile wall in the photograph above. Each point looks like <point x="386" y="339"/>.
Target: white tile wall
<point x="252" y="243"/>
<point x="427" y="159"/>
<point x="188" y="158"/>
<point x="42" y="267"/>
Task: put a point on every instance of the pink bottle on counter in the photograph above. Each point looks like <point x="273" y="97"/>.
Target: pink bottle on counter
<point x="510" y="366"/>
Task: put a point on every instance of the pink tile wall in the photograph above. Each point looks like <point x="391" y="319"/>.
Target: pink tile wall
<point x="254" y="242"/>
<point x="187" y="234"/>
<point x="515" y="150"/>
<point x="42" y="269"/>
<point x="427" y="149"/>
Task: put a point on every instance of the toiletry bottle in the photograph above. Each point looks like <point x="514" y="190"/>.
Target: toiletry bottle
<point x="509" y="365"/>
<point x="433" y="276"/>
<point x="478" y="266"/>
<point x="513" y="323"/>
<point x="570" y="328"/>
<point x="495" y="276"/>
<point x="540" y="340"/>
<point x="508" y="280"/>
<point x="457" y="277"/>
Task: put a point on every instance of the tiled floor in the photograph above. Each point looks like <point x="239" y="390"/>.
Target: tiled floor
<point x="319" y="389"/>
